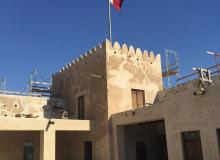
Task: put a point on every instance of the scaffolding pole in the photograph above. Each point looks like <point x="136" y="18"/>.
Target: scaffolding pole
<point x="36" y="86"/>
<point x="172" y="67"/>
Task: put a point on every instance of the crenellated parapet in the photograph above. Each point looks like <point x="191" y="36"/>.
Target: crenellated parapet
<point x="130" y="53"/>
<point x="84" y="58"/>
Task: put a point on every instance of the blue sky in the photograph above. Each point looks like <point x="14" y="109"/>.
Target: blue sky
<point x="47" y="34"/>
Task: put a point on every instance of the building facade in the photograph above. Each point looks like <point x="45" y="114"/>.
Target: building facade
<point x="109" y="104"/>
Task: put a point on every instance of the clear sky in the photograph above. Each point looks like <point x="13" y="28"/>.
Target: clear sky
<point x="47" y="34"/>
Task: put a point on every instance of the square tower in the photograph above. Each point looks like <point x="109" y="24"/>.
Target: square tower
<point x="108" y="79"/>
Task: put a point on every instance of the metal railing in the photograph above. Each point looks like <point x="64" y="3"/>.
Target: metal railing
<point x="214" y="71"/>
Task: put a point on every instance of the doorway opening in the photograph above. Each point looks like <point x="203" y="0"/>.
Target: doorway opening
<point x="143" y="141"/>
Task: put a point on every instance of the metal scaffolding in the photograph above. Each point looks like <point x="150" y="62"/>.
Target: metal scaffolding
<point x="213" y="72"/>
<point x="3" y="85"/>
<point x="42" y="86"/>
<point x="217" y="61"/>
<point x="171" y="71"/>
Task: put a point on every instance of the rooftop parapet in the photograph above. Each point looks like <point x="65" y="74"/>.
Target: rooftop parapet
<point x="128" y="52"/>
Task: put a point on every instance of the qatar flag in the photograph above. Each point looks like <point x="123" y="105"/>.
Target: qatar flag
<point x="117" y="4"/>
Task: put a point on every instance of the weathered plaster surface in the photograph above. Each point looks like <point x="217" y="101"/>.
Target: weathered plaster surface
<point x="129" y="68"/>
<point x="13" y="105"/>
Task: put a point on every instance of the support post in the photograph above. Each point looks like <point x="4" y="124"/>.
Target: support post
<point x="47" y="144"/>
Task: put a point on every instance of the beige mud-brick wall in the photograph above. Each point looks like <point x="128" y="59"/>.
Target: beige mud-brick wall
<point x="129" y="68"/>
<point x="12" y="105"/>
<point x="183" y="111"/>
<point x="87" y="76"/>
<point x="12" y="144"/>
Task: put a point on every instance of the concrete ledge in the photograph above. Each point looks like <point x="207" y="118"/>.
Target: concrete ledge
<point x="15" y="124"/>
<point x="145" y="114"/>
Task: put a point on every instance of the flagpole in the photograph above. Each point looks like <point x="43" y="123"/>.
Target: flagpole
<point x="110" y="20"/>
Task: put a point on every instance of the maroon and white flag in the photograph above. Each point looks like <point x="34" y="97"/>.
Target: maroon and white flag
<point x="117" y="4"/>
